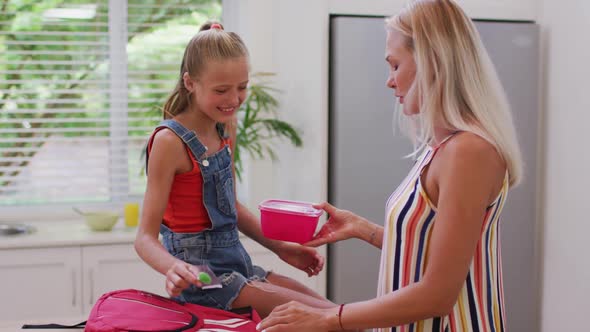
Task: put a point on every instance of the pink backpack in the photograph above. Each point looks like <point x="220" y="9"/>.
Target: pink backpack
<point x="135" y="310"/>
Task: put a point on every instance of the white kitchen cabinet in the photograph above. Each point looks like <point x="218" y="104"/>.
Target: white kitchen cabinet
<point x="40" y="283"/>
<point x="56" y="282"/>
<point x="66" y="282"/>
<point x="112" y="267"/>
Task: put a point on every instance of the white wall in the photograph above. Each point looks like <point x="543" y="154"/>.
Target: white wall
<point x="565" y="293"/>
<point x="481" y="9"/>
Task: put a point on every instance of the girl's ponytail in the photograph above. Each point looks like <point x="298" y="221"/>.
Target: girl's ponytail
<point x="177" y="102"/>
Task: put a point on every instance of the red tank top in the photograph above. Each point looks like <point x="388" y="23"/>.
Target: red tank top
<point x="185" y="211"/>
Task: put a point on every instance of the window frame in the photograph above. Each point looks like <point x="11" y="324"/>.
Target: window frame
<point x="118" y="125"/>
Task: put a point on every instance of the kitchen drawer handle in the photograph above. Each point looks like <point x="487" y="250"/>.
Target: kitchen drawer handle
<point x="91" y="279"/>
<point x="75" y="291"/>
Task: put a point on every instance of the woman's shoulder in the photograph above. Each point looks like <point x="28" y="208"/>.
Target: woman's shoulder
<point x="466" y="149"/>
<point x="471" y="167"/>
<point x="467" y="144"/>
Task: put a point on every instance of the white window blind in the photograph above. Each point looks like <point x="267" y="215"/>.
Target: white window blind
<point x="82" y="85"/>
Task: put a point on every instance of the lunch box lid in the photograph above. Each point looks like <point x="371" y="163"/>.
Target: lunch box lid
<point x="290" y="207"/>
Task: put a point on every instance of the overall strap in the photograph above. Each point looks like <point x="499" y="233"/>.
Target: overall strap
<point x="188" y="137"/>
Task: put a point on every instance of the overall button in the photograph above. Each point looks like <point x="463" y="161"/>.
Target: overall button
<point x="228" y="150"/>
<point x="205" y="162"/>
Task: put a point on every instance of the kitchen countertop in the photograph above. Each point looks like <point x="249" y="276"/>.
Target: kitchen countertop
<point x="67" y="233"/>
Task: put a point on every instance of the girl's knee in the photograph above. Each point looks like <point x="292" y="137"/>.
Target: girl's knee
<point x="277" y="277"/>
<point x="255" y="294"/>
<point x="259" y="285"/>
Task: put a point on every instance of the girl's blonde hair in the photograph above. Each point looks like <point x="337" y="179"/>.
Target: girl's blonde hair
<point x="208" y="44"/>
<point x="455" y="80"/>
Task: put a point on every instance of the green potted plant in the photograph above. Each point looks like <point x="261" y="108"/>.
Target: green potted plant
<point x="259" y="125"/>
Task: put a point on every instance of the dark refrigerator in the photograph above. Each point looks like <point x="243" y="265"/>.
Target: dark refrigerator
<point x="366" y="154"/>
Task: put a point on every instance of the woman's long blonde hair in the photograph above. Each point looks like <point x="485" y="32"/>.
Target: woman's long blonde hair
<point x="208" y="44"/>
<point x="455" y="80"/>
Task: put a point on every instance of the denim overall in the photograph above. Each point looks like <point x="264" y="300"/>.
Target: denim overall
<point x="220" y="246"/>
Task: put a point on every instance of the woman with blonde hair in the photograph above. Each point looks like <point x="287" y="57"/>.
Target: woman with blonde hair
<point x="440" y="248"/>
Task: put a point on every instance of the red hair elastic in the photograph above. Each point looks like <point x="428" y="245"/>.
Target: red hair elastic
<point x="340" y="316"/>
<point x="216" y="26"/>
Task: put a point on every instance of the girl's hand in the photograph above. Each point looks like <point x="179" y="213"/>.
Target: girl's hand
<point x="341" y="225"/>
<point x="304" y="258"/>
<point x="180" y="276"/>
<point x="294" y="316"/>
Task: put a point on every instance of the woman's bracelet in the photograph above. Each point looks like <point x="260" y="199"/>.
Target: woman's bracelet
<point x="340" y="316"/>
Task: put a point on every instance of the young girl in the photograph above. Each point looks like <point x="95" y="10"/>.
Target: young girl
<point x="190" y="198"/>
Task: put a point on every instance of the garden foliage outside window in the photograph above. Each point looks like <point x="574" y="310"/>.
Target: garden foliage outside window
<point x="82" y="84"/>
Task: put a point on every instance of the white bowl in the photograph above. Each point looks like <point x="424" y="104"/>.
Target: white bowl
<point x="101" y="221"/>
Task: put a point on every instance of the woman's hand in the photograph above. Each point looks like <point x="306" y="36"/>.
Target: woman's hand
<point x="304" y="258"/>
<point x="180" y="276"/>
<point x="294" y="316"/>
<point x="341" y="225"/>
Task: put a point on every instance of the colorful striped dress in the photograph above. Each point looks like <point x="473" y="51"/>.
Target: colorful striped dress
<point x="410" y="217"/>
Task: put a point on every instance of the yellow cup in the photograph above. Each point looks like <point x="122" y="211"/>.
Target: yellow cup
<point x="131" y="212"/>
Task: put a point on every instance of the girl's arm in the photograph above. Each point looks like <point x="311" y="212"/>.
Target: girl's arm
<point x="162" y="164"/>
<point x="248" y="223"/>
<point x="306" y="259"/>
<point x="468" y="179"/>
